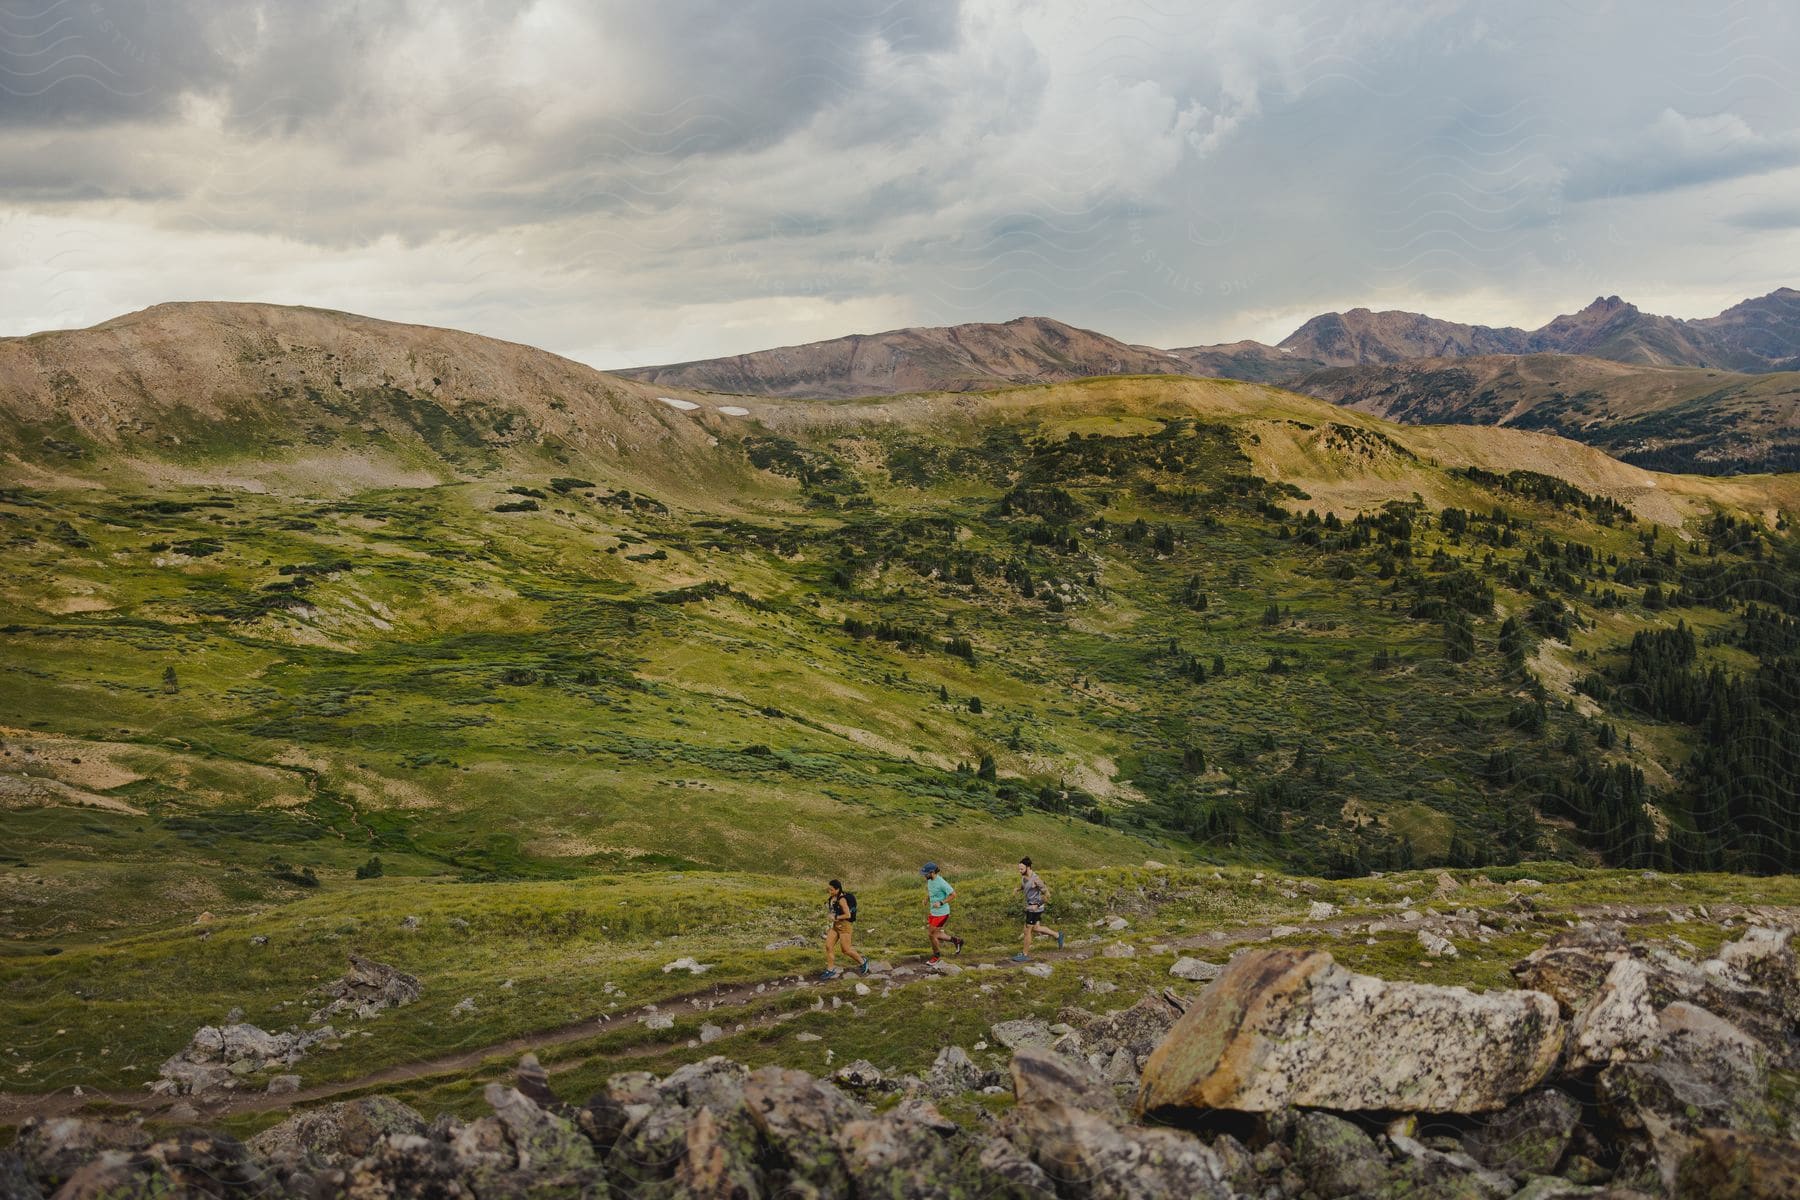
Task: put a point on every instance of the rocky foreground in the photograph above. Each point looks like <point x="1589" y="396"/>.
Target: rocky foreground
<point x="1616" y="1068"/>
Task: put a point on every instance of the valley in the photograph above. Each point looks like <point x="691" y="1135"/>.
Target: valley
<point x="532" y="682"/>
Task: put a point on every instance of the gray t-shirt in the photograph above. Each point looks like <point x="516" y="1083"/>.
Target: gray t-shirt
<point x="1034" y="893"/>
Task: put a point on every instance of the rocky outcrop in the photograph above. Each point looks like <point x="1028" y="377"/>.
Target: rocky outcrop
<point x="221" y="1058"/>
<point x="1690" y="1105"/>
<point x="1285" y="1028"/>
<point x="365" y="989"/>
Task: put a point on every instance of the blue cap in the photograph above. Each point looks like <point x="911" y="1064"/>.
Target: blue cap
<point x="928" y="868"/>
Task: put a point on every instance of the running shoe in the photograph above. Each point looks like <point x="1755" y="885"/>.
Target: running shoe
<point x="933" y="961"/>
<point x="1021" y="958"/>
<point x="959" y="945"/>
<point x="1059" y="941"/>
<point x="864" y="969"/>
<point x="828" y="974"/>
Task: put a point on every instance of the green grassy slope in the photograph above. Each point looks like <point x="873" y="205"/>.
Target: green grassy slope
<point x="1199" y="622"/>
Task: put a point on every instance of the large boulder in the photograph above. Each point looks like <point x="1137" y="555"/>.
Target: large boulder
<point x="1287" y="1027"/>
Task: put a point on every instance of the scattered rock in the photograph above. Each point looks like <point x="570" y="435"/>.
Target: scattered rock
<point x="1435" y="946"/>
<point x="1320" y="910"/>
<point x="691" y="966"/>
<point x="464" y="1007"/>
<point x="1028" y="1031"/>
<point x="861" y="1076"/>
<point x="953" y="1071"/>
<point x="281" y="1085"/>
<point x="365" y="989"/>
<point x="1040" y="969"/>
<point x="1290" y="1027"/>
<point x="1195" y="970"/>
<point x="1118" y="950"/>
<point x="789" y="943"/>
<point x="710" y="1033"/>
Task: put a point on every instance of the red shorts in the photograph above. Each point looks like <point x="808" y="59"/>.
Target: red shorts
<point x="937" y="922"/>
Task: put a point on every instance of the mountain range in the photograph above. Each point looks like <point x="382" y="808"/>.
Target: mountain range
<point x="1714" y="395"/>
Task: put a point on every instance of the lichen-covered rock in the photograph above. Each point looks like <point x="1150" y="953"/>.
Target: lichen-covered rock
<point x="912" y="1152"/>
<point x="800" y="1119"/>
<point x="1287" y="1027"/>
<point x="197" y="1164"/>
<point x="548" y="1154"/>
<point x="1336" y="1158"/>
<point x="1088" y="1157"/>
<point x="1444" y="1175"/>
<point x="1527" y="1137"/>
<point x="337" y="1134"/>
<point x="953" y="1071"/>
<point x="1722" y="1164"/>
<point x="1705" y="1073"/>
<point x="1618" y="1023"/>
<point x="1138" y="1029"/>
<point x="1045" y="1077"/>
<point x="53" y="1148"/>
<point x="693" y="1128"/>
<point x="1195" y="970"/>
<point x="16" y="1182"/>
<point x="1572" y="966"/>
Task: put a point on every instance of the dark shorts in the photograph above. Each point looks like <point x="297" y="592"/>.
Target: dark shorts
<point x="1032" y="918"/>
<point x="937" y="922"/>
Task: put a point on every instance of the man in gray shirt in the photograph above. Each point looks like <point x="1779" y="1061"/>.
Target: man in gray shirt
<point x="1037" y="897"/>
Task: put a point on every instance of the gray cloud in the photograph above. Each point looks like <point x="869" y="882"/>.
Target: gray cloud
<point x="631" y="182"/>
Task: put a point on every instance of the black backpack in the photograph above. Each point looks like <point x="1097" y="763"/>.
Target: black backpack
<point x="849" y="903"/>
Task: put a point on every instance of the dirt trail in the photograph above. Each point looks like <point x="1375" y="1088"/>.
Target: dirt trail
<point x="15" y="1107"/>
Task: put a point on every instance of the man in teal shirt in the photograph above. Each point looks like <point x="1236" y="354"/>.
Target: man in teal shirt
<point x="937" y="910"/>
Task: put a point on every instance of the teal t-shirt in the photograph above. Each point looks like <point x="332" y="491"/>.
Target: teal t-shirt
<point x="939" y="889"/>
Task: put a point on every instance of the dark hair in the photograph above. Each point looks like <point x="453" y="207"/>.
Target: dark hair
<point x="835" y="884"/>
<point x="1026" y="861"/>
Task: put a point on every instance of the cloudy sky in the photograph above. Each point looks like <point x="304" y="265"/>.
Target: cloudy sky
<point x="640" y="181"/>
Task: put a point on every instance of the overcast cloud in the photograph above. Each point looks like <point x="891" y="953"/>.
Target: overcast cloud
<point x="630" y="182"/>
